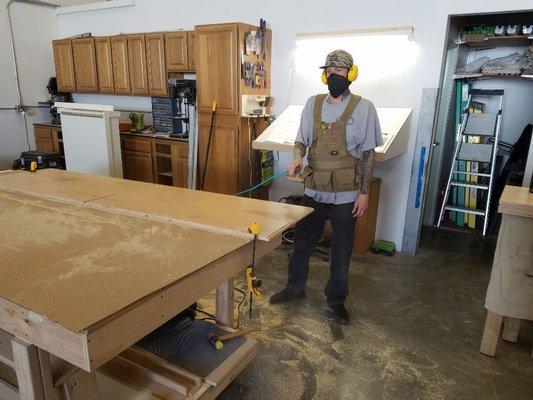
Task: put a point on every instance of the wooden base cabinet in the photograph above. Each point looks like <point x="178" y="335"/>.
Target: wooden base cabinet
<point x="155" y="160"/>
<point x="49" y="138"/>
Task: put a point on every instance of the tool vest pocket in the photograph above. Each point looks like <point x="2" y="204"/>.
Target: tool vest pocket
<point x="344" y="179"/>
<point x="322" y="181"/>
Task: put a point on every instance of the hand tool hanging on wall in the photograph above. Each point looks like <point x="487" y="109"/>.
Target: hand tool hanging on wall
<point x="212" y="127"/>
<point x="251" y="280"/>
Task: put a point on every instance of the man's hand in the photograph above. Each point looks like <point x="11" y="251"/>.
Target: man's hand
<point x="360" y="205"/>
<point x="295" y="166"/>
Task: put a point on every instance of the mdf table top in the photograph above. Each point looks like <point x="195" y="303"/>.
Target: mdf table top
<point x="78" y="248"/>
<point x="205" y="210"/>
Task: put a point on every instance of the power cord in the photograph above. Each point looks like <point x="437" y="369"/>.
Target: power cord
<point x="209" y="316"/>
<point x="278" y="175"/>
<point x="239" y="306"/>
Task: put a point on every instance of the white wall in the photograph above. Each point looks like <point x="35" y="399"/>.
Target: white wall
<point x="286" y="18"/>
<point x="34" y="28"/>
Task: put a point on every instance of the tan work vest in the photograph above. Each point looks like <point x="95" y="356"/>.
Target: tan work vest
<point x="331" y="167"/>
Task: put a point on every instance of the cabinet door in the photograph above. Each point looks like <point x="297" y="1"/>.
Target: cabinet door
<point x="121" y="71"/>
<point x="155" y="56"/>
<point x="138" y="166"/>
<point x="180" y="164"/>
<point x="104" y="64"/>
<point x="176" y="51"/>
<point x="217" y="70"/>
<point x="64" y="63"/>
<point x="223" y="163"/>
<point x="137" y="64"/>
<point x="85" y="65"/>
<point x="44" y="140"/>
<point x="191" y="50"/>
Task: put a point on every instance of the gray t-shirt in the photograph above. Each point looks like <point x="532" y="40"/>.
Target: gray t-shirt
<point x="362" y="133"/>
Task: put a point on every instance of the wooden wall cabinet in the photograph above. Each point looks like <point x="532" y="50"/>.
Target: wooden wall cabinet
<point x="123" y="64"/>
<point x="85" y="65"/>
<point x="217" y="69"/>
<point x="64" y="64"/>
<point x="155" y="66"/>
<point x="176" y="51"/>
<point x="104" y="64"/>
<point x="121" y="71"/>
<point x="191" y="50"/>
<point x="137" y="64"/>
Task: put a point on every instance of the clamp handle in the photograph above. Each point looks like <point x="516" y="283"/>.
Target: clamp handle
<point x="254" y="228"/>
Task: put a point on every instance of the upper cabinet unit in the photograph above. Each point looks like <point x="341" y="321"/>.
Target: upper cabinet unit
<point x="123" y="64"/>
<point x="156" y="68"/>
<point x="64" y="63"/>
<point x="176" y="51"/>
<point x="137" y="64"/>
<point x="191" y="50"/>
<point x="104" y="64"/>
<point x="85" y="65"/>
<point x="217" y="68"/>
<point x="121" y="71"/>
<point x="180" y="49"/>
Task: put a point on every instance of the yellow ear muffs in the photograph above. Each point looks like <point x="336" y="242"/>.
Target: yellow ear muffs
<point x="352" y="74"/>
<point x="324" y="77"/>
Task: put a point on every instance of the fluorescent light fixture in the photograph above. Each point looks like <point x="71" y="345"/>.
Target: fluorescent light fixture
<point x="407" y="31"/>
<point x="380" y="53"/>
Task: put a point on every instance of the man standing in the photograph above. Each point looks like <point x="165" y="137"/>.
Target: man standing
<point x="340" y="130"/>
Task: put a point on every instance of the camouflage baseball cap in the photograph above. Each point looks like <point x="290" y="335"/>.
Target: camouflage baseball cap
<point x="339" y="58"/>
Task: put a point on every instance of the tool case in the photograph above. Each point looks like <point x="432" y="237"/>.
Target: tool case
<point x="42" y="158"/>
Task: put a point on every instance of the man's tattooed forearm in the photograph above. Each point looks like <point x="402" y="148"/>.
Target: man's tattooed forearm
<point x="366" y="168"/>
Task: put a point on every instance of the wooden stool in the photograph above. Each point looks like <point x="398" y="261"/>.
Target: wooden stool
<point x="491" y="333"/>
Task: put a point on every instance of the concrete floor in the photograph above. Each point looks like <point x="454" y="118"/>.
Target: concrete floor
<point x="415" y="332"/>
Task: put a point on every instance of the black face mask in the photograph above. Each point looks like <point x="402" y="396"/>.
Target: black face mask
<point x="337" y="84"/>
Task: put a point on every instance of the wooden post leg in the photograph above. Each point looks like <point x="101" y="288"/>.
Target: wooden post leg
<point x="491" y="334"/>
<point x="28" y="370"/>
<point x="511" y="326"/>
<point x="46" y="374"/>
<point x="81" y="386"/>
<point x="224" y="303"/>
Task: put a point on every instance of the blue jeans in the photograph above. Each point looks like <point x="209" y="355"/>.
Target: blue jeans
<point x="306" y="236"/>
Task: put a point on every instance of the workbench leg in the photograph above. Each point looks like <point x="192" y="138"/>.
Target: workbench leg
<point x="224" y="303"/>
<point x="491" y="334"/>
<point x="46" y="374"/>
<point x="81" y="386"/>
<point x="28" y="370"/>
<point x="511" y="326"/>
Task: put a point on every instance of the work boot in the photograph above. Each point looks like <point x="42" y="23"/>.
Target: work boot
<point x="340" y="313"/>
<point x="286" y="295"/>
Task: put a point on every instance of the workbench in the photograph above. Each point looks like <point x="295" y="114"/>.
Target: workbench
<point x="92" y="264"/>
<point x="510" y="292"/>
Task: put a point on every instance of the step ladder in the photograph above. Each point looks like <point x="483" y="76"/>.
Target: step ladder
<point x="483" y="125"/>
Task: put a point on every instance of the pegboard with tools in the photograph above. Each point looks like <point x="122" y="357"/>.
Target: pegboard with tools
<point x="253" y="69"/>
